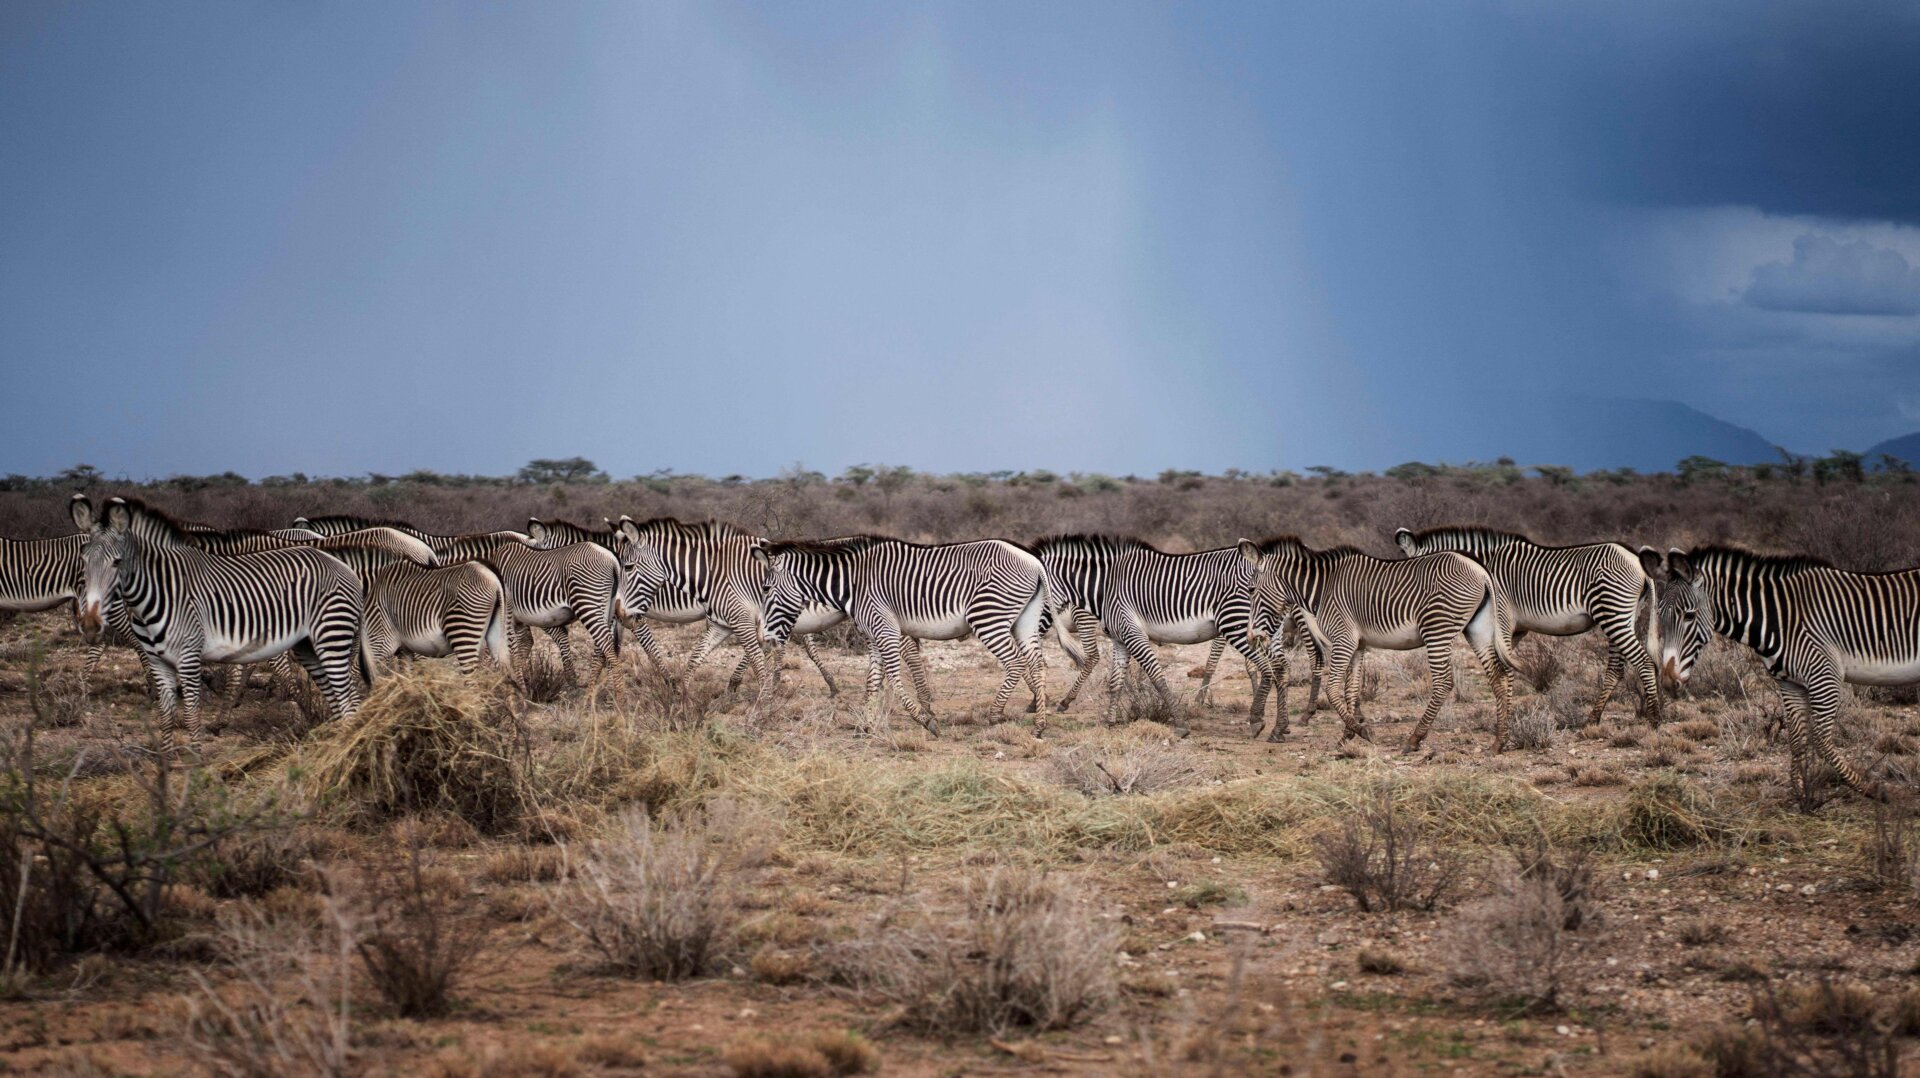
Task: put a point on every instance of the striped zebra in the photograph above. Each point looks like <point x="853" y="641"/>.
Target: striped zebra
<point x="1351" y="601"/>
<point x="551" y="589"/>
<point x="458" y="610"/>
<point x="1566" y="591"/>
<point x="713" y="574"/>
<point x="1143" y="596"/>
<point x="40" y="574"/>
<point x="187" y="605"/>
<point x="894" y="589"/>
<point x="1815" y="626"/>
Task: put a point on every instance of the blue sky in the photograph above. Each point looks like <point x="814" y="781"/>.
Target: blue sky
<point x="351" y="237"/>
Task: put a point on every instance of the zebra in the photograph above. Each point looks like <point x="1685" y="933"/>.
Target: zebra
<point x="459" y="610"/>
<point x="40" y="574"/>
<point x="1351" y="601"/>
<point x="1144" y="596"/>
<point x="552" y="589"/>
<point x="893" y="589"/>
<point x="187" y="605"/>
<point x="1814" y="625"/>
<point x="712" y="574"/>
<point x="1565" y="591"/>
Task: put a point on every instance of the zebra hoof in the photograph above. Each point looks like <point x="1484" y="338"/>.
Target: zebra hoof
<point x="1279" y="734"/>
<point x="1033" y="707"/>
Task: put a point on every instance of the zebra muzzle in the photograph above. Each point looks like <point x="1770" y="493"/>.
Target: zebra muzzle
<point x="90" y="620"/>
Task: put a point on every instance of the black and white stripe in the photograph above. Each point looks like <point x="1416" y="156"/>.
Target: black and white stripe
<point x="1565" y="591"/>
<point x="894" y="589"/>
<point x="458" y="610"/>
<point x="1351" y="601"/>
<point x="187" y="605"/>
<point x="1815" y="626"/>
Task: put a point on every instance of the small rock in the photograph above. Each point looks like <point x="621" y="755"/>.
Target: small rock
<point x="1783" y="887"/>
<point x="1339" y="986"/>
<point x="1113" y="1038"/>
<point x="1564" y="1031"/>
<point x="738" y="972"/>
<point x="1808" y="889"/>
<point x="1653" y="873"/>
<point x="1198" y="937"/>
<point x="748" y="1012"/>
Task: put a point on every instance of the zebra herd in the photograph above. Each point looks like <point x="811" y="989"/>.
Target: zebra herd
<point x="345" y="596"/>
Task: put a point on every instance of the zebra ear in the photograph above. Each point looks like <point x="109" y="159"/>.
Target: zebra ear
<point x="1651" y="562"/>
<point x="759" y="552"/>
<point x="1680" y="565"/>
<point x="1404" y="540"/>
<point x="1250" y="550"/>
<point x="629" y="530"/>
<point x="82" y="511"/>
<point x="535" y="529"/>
<point x="119" y="517"/>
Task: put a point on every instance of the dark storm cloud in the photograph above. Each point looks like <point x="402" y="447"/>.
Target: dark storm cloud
<point x="1827" y="276"/>
<point x="1795" y="108"/>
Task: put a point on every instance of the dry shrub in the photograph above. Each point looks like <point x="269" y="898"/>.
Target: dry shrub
<point x="1669" y="812"/>
<point x="1532" y="728"/>
<point x="252" y="864"/>
<point x="1824" y="1028"/>
<point x="1623" y="737"/>
<point x="1888" y="852"/>
<point x="412" y="944"/>
<point x="1386" y="858"/>
<point x="1673" y="1061"/>
<point x="288" y="1009"/>
<point x="665" y="903"/>
<point x="1743" y="733"/>
<point x="1665" y="750"/>
<point x="675" y="703"/>
<point x="1023" y="953"/>
<point x="773" y="965"/>
<point x="1700" y="933"/>
<point x="428" y="739"/>
<point x="1594" y="775"/>
<point x="1540" y="665"/>
<point x="1132" y="766"/>
<point x="609" y="1050"/>
<point x="1514" y="945"/>
<point x="824" y="1055"/>
<point x="1141" y="700"/>
<point x="1571" y="876"/>
<point x="524" y="864"/>
<point x="521" y="1059"/>
<point x="1384" y="963"/>
<point x="1208" y="893"/>
<point x="1697" y="729"/>
<point x="1722" y="671"/>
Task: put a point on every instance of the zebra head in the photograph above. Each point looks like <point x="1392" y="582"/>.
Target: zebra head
<point x="1686" y="616"/>
<point x="1277" y="582"/>
<point x="644" y="573"/>
<point x="799" y="575"/>
<point x="106" y="559"/>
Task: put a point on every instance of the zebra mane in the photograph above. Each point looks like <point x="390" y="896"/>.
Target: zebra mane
<point x="1468" y="531"/>
<point x="843" y="545"/>
<point x="1274" y="543"/>
<point x="146" y="518"/>
<point x="1779" y="563"/>
<point x="1115" y="543"/>
<point x="707" y="529"/>
<point x="360" y="523"/>
<point x="570" y="525"/>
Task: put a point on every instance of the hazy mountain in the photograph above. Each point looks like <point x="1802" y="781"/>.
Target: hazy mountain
<point x="1646" y="435"/>
<point x="1906" y="447"/>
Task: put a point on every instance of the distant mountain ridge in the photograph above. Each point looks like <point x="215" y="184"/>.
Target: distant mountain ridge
<point x="1906" y="447"/>
<point x="1644" y="434"/>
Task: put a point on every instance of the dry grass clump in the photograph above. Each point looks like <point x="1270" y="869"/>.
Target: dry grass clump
<point x="1386" y="858"/>
<point x="1141" y="700"/>
<point x="1383" y="963"/>
<point x="1024" y="952"/>
<point x="1666" y="750"/>
<point x="1699" y="932"/>
<point x="254" y="863"/>
<point x="1743" y="733"/>
<point x="1890" y="853"/>
<point x="1594" y="775"/>
<point x="1697" y="729"/>
<point x="665" y="903"/>
<point x="1722" y="671"/>
<point x="823" y="1055"/>
<point x="413" y="945"/>
<point x="1624" y="737"/>
<point x="520" y="863"/>
<point x="428" y="739"/>
<point x="1110" y="766"/>
<point x="1532" y="728"/>
<point x="287" y="1008"/>
<point x="1516" y="945"/>
<point x="1669" y="812"/>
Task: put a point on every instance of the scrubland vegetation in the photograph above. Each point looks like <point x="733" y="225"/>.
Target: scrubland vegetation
<point x="648" y="876"/>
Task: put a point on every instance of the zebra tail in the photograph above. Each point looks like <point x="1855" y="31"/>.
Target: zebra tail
<point x="1502" y="626"/>
<point x="1650" y="602"/>
<point x="496" y="635"/>
<point x="1064" y="621"/>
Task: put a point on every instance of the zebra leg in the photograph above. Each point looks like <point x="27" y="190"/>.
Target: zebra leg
<point x="558" y="634"/>
<point x="1796" y="710"/>
<point x="519" y="653"/>
<point x="1609" y="681"/>
<point x="1088" y="632"/>
<point x="652" y="647"/>
<point x="166" y="689"/>
<point x="890" y="646"/>
<point x="915" y="661"/>
<point x="1276" y="675"/>
<point x="188" y="672"/>
<point x="1340" y="662"/>
<point x="235" y="684"/>
<point x="1440" y="687"/>
<point x="1218" y="648"/>
<point x="1008" y="651"/>
<point x="1500" y="682"/>
<point x="715" y="634"/>
<point x="1823" y="698"/>
<point x="1625" y="646"/>
<point x="806" y="645"/>
<point x="95" y="650"/>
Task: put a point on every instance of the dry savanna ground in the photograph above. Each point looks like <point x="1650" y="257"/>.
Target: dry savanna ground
<point x="637" y="877"/>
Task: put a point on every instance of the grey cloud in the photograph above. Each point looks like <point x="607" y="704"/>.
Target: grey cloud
<point x="1830" y="277"/>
